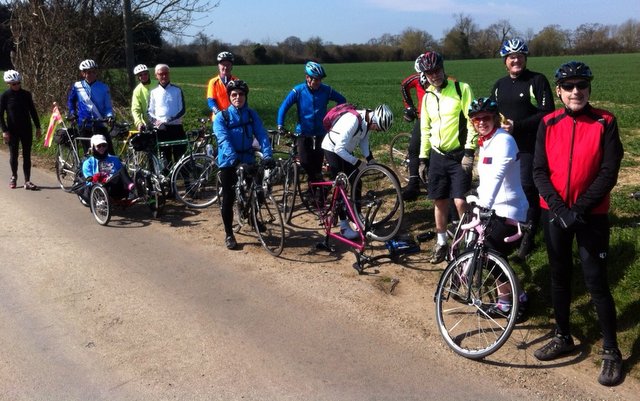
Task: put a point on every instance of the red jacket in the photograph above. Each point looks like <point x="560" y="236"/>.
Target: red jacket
<point x="412" y="81"/>
<point x="577" y="159"/>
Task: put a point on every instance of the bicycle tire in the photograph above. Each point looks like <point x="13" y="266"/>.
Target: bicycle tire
<point x="290" y="189"/>
<point x="194" y="181"/>
<point x="100" y="204"/>
<point x="399" y="155"/>
<point x="304" y="192"/>
<point x="67" y="166"/>
<point x="377" y="197"/>
<point x="268" y="223"/>
<point x="462" y="301"/>
<point x="274" y="178"/>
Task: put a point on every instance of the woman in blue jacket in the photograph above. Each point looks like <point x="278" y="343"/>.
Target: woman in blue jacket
<point x="235" y="130"/>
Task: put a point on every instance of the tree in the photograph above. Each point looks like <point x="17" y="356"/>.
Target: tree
<point x="593" y="38"/>
<point x="414" y="42"/>
<point x="628" y="36"/>
<point x="456" y="42"/>
<point x="550" y="41"/>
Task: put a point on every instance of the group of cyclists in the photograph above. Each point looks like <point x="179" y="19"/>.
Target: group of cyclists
<point x="537" y="165"/>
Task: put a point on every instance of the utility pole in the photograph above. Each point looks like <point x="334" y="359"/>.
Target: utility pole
<point x="128" y="42"/>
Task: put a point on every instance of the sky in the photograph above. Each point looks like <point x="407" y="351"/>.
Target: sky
<point x="358" y="21"/>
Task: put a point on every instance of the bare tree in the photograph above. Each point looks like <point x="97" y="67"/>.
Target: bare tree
<point x="593" y="38"/>
<point x="414" y="42"/>
<point x="628" y="35"/>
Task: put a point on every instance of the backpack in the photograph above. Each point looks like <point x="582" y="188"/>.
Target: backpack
<point x="336" y="112"/>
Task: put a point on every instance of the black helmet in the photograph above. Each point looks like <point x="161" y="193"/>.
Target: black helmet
<point x="428" y="62"/>
<point x="573" y="69"/>
<point x="238" y="84"/>
<point x="483" y="104"/>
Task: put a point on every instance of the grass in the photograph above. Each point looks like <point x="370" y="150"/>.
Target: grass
<point x="616" y="87"/>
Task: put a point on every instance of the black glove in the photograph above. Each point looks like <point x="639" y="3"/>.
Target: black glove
<point x="567" y="219"/>
<point x="268" y="163"/>
<point x="410" y="114"/>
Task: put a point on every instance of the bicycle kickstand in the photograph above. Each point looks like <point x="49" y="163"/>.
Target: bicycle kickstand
<point x="325" y="245"/>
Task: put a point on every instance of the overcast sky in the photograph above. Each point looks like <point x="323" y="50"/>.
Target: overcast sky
<point x="357" y="21"/>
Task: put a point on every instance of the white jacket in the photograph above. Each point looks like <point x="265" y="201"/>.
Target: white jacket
<point x="346" y="135"/>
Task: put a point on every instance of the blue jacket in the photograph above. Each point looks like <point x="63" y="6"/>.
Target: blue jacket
<point x="235" y="136"/>
<point x="89" y="101"/>
<point x="312" y="107"/>
<point x="109" y="165"/>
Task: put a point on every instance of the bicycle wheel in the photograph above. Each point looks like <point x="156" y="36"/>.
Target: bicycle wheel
<point x="267" y="221"/>
<point x="467" y="312"/>
<point x="289" y="190"/>
<point x="399" y="155"/>
<point x="100" y="205"/>
<point x="274" y="178"/>
<point x="67" y="165"/>
<point x="304" y="192"/>
<point x="194" y="181"/>
<point x="377" y="197"/>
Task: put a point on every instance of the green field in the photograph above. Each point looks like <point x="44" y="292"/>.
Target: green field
<point x="616" y="87"/>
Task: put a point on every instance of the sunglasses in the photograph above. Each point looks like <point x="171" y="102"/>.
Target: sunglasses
<point x="569" y="86"/>
<point x="485" y="118"/>
<point x="15" y="84"/>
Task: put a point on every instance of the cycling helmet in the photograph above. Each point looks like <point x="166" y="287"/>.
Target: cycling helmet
<point x="515" y="45"/>
<point x="238" y="84"/>
<point x="314" y="70"/>
<point x="428" y="62"/>
<point x="573" y="69"/>
<point x="382" y="116"/>
<point x="481" y="105"/>
<point x="140" y="68"/>
<point x="225" y="56"/>
<point x="12" y="76"/>
<point x="423" y="80"/>
<point x="88" y="65"/>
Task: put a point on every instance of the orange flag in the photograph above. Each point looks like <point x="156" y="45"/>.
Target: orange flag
<point x="53" y="122"/>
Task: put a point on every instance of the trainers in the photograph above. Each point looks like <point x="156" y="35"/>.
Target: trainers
<point x="12" y="182"/>
<point x="439" y="254"/>
<point x="611" y="373"/>
<point x="230" y="242"/>
<point x="559" y="345"/>
<point x="495" y="311"/>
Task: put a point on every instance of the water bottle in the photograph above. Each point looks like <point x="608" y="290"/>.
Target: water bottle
<point x="209" y="149"/>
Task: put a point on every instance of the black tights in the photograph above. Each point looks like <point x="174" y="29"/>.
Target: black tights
<point x="26" y="139"/>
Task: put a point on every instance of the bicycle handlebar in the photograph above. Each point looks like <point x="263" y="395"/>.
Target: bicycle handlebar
<point x="481" y="215"/>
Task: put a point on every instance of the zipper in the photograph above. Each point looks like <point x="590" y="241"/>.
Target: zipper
<point x="573" y="133"/>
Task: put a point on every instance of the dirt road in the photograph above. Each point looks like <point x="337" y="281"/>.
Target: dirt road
<point x="157" y="309"/>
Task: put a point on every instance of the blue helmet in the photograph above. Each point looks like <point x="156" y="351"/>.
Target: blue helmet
<point x="314" y="70"/>
<point x="515" y="45"/>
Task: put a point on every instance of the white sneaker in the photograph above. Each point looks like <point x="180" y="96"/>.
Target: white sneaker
<point x="348" y="232"/>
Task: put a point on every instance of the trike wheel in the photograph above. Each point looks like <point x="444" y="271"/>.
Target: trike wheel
<point x="100" y="204"/>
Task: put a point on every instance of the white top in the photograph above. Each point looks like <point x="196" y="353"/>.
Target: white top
<point x="166" y="105"/>
<point x="344" y="137"/>
<point x="499" y="171"/>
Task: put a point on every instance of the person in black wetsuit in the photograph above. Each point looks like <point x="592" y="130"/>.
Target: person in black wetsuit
<point x="523" y="97"/>
<point x="16" y="104"/>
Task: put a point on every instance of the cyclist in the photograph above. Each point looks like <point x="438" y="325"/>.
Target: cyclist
<point x="417" y="82"/>
<point x="89" y="99"/>
<point x="106" y="169"/>
<point x="577" y="160"/>
<point x="523" y="97"/>
<point x="166" y="108"/>
<point x="235" y="129"/>
<point x="217" y="99"/>
<point x="16" y="104"/>
<point x="311" y="99"/>
<point x="349" y="131"/>
<point x="447" y="144"/>
<point x="500" y="187"/>
<point x="140" y="97"/>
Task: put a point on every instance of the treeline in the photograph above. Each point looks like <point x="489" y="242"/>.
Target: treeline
<point x="46" y="39"/>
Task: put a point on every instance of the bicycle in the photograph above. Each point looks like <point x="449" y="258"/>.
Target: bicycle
<point x="472" y="285"/>
<point x="192" y="179"/>
<point x="255" y="202"/>
<point x="399" y="155"/>
<point x="375" y="207"/>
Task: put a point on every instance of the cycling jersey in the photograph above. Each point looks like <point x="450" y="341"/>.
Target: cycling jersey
<point x="577" y="159"/>
<point x="499" y="172"/>
<point x="412" y="82"/>
<point x="217" y="98"/>
<point x="19" y="110"/>
<point x="312" y="107"/>
<point x="347" y="133"/>
<point x="140" y="104"/>
<point x="89" y="100"/>
<point x="166" y="105"/>
<point x="235" y="130"/>
<point x="525" y="100"/>
<point x="440" y="120"/>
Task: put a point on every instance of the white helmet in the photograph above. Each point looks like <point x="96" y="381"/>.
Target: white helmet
<point x="225" y="56"/>
<point x="140" y="68"/>
<point x="88" y="65"/>
<point x="382" y="116"/>
<point x="12" y="76"/>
